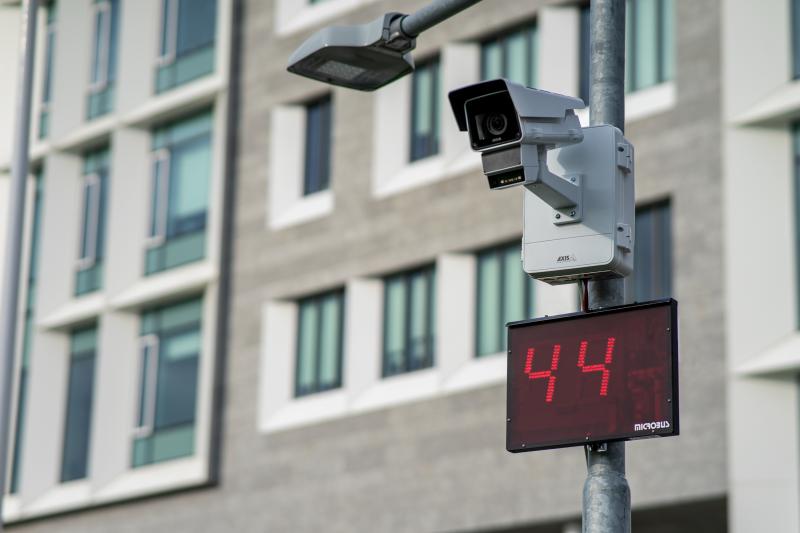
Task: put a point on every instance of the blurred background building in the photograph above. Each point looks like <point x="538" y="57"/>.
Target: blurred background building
<point x="255" y="303"/>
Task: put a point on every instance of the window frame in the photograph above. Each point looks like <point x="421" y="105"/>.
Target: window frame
<point x="159" y="197"/>
<point x="168" y="40"/>
<point x="429" y="271"/>
<point x="173" y="241"/>
<point x="431" y="147"/>
<point x="169" y="58"/>
<point x="318" y="301"/>
<point x="47" y="78"/>
<point x="91" y="221"/>
<point x="529" y="298"/>
<point x="101" y="53"/>
<point x="144" y="425"/>
<point x="145" y="422"/>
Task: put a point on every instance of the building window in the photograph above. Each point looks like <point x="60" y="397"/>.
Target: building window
<point x="168" y="373"/>
<point x="104" y="58"/>
<point x="796" y="38"/>
<point x="179" y="205"/>
<point x="585" y="88"/>
<point x="652" y="276"/>
<point x="80" y="388"/>
<point x="187" y="42"/>
<point x="425" y="110"/>
<point x="28" y="329"/>
<point x="319" y="343"/>
<point x="649" y="43"/>
<point x="505" y="294"/>
<point x="511" y="55"/>
<point x="47" y="81"/>
<point x="95" y="192"/>
<point x="409" y="321"/>
<point x="317" y="175"/>
<point x="796" y="135"/>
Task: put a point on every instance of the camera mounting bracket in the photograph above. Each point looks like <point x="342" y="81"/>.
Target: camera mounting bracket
<point x="562" y="194"/>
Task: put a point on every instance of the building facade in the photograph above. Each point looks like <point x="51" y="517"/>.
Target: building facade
<point x="359" y="384"/>
<point x="117" y="345"/>
<point x="760" y="114"/>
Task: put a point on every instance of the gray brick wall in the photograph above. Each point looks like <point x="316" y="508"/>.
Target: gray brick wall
<point x="440" y="465"/>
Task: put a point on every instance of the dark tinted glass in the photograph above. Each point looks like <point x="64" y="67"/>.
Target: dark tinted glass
<point x="585" y="56"/>
<point x="652" y="277"/>
<point x="425" y="111"/>
<point x="78" y="420"/>
<point x="318" y="146"/>
<point x="196" y="21"/>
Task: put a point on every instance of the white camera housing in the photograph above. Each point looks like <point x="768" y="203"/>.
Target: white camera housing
<point x="601" y="244"/>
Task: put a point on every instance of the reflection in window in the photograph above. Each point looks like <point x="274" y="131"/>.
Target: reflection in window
<point x="319" y="343"/>
<point x="425" y="110"/>
<point x="409" y="321"/>
<point x="168" y="373"/>
<point x="511" y="55"/>
<point x="181" y="176"/>
<point x="188" y="30"/>
<point x="505" y="294"/>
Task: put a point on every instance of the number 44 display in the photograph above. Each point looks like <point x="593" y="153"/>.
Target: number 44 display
<point x="593" y="377"/>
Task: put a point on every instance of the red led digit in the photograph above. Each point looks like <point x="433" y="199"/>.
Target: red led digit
<point x="600" y="367"/>
<point x="551" y="379"/>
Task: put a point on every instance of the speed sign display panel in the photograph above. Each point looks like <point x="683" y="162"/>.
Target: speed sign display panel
<point x="591" y="377"/>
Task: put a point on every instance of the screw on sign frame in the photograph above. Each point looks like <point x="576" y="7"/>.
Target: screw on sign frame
<point x="599" y="376"/>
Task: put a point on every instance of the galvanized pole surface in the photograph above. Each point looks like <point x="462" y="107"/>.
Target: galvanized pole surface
<point x="606" y="495"/>
<point x="16" y="223"/>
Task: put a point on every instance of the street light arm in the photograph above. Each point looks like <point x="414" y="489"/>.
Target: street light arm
<point x="368" y="56"/>
<point x="430" y="15"/>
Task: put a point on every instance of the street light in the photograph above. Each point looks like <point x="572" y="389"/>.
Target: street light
<point x="364" y="57"/>
<point x="368" y="56"/>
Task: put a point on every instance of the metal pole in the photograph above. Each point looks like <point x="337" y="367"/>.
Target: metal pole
<point x="431" y="15"/>
<point x="16" y="224"/>
<point x="606" y="495"/>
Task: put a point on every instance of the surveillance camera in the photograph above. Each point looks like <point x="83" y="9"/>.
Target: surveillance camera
<point x="514" y="126"/>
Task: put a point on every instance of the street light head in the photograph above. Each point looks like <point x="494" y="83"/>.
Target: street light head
<point x="364" y="57"/>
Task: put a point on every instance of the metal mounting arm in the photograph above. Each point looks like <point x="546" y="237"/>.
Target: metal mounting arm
<point x="429" y="16"/>
<point x="558" y="192"/>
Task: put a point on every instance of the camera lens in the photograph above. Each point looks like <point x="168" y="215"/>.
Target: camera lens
<point x="496" y="123"/>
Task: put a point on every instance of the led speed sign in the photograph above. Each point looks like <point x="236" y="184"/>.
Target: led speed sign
<point x="593" y="377"/>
